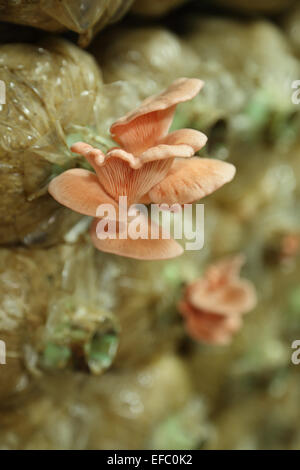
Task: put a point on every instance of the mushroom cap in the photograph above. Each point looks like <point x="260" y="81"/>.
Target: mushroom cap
<point x="181" y="90"/>
<point x="141" y="248"/>
<point x="145" y="126"/>
<point x="232" y="299"/>
<point x="221" y="290"/>
<point x="209" y="327"/>
<point x="191" y="179"/>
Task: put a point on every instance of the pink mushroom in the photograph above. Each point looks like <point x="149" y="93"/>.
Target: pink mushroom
<point x="290" y="246"/>
<point x="213" y="306"/>
<point x="149" y="166"/>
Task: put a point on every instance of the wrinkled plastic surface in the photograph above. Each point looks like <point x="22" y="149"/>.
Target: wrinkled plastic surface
<point x="50" y="97"/>
<point x="82" y="16"/>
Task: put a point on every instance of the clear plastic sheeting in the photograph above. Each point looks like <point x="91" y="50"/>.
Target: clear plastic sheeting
<point x="51" y="90"/>
<point x="54" y="314"/>
<point x="81" y="16"/>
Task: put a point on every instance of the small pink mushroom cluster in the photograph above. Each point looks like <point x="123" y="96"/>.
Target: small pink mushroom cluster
<point x="149" y="166"/>
<point x="213" y="306"/>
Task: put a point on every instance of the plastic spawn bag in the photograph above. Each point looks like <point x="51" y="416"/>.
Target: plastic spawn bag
<point x="51" y="91"/>
<point x="245" y="95"/>
<point x="54" y="313"/>
<point x="67" y="306"/>
<point x="149" y="59"/>
<point x="267" y="107"/>
<point x="69" y="411"/>
<point x="84" y="17"/>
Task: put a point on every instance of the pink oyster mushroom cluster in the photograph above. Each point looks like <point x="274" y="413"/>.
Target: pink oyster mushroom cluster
<point x="213" y="306"/>
<point x="149" y="166"/>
